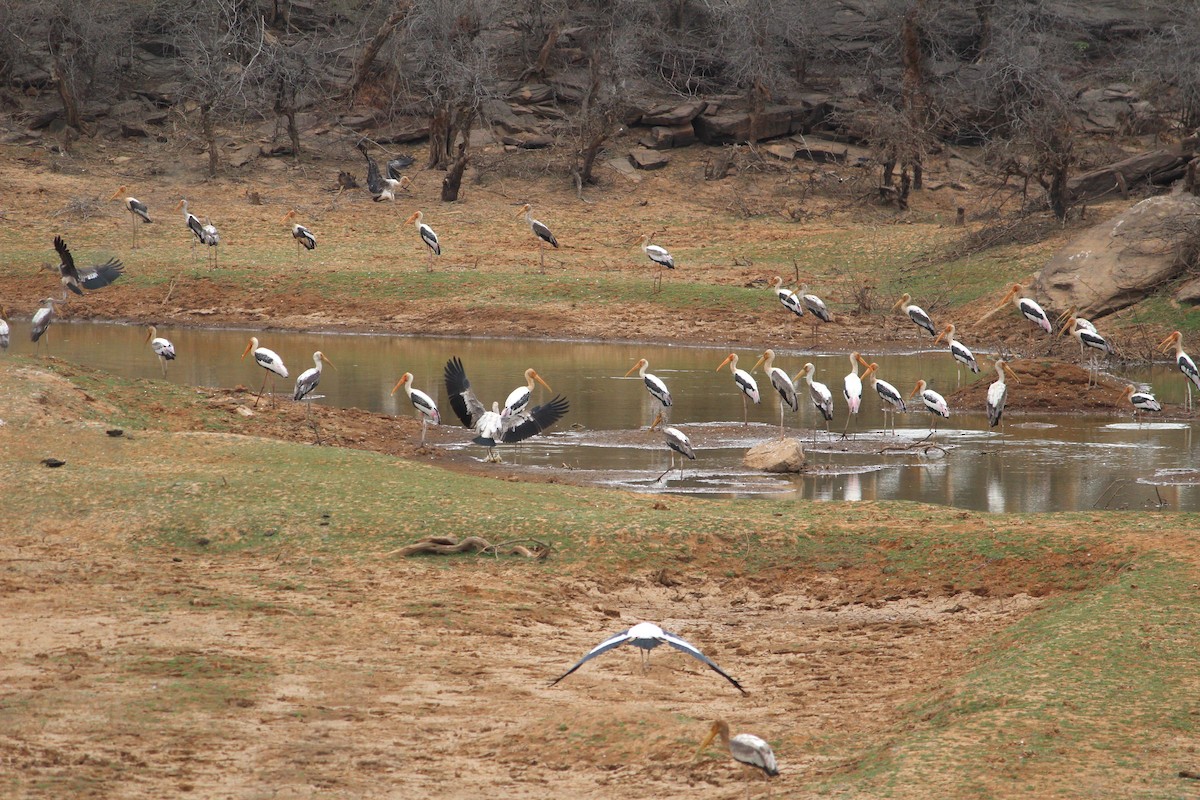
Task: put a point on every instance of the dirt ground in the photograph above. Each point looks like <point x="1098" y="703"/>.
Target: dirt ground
<point x="353" y="679"/>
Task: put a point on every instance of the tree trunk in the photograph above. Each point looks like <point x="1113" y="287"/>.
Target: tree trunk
<point x="439" y="135"/>
<point x="889" y="169"/>
<point x="543" y="60"/>
<point x="66" y="94"/>
<point x="362" y="67"/>
<point x="589" y="157"/>
<point x="918" y="175"/>
<point x="453" y="179"/>
<point x="209" y="132"/>
<point x="913" y="86"/>
<point x="902" y="196"/>
<point x="293" y="132"/>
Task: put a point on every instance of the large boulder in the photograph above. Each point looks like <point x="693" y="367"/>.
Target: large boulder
<point x="1118" y="262"/>
<point x="776" y="455"/>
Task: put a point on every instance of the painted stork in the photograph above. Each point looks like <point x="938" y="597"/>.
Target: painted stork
<point x="427" y="236"/>
<point x="852" y="391"/>
<point x="4" y="329"/>
<point x="997" y="393"/>
<point x="95" y="277"/>
<point x="781" y="382"/>
<point x="308" y="380"/>
<point x="677" y="442"/>
<point x="887" y="393"/>
<point x="518" y="399"/>
<point x="654" y="385"/>
<point x="787" y="298"/>
<point x="815" y="306"/>
<point x="161" y="347"/>
<point x="647" y="636"/>
<point x="659" y="256"/>
<point x="206" y="233"/>
<point x="934" y="403"/>
<point x="42" y="319"/>
<point x="822" y="398"/>
<point x="542" y="233"/>
<point x="1089" y="339"/>
<point x="303" y="236"/>
<point x="374" y="178"/>
<point x="744" y="382"/>
<point x="748" y="750"/>
<point x="1080" y="322"/>
<point x="136" y="209"/>
<point x="490" y="427"/>
<point x="1183" y="361"/>
<point x="1141" y="401"/>
<point x="915" y="313"/>
<point x="270" y="361"/>
<point x="962" y="356"/>
<point x="427" y="410"/>
<point x="1028" y="308"/>
<point x="390" y="187"/>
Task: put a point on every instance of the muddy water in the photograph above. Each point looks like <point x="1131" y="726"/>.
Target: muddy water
<point x="1034" y="463"/>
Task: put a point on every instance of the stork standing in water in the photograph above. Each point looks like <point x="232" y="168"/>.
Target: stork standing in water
<point x="997" y="393"/>
<point x="427" y="410"/>
<point x="962" y="356"/>
<point x="42" y="318"/>
<point x="270" y="361"/>
<point x="822" y="398"/>
<point x="4" y="330"/>
<point x="303" y="236"/>
<point x="934" y="403"/>
<point x="915" y="313"/>
<point x="1089" y="339"/>
<point x="677" y="442"/>
<point x="1141" y="401"/>
<point x="518" y="399"/>
<point x="746" y="384"/>
<point x="751" y="752"/>
<point x="782" y="384"/>
<point x="646" y="636"/>
<point x="887" y="393"/>
<point x="659" y="256"/>
<point x="654" y="385"/>
<point x="542" y="233"/>
<point x="136" y="209"/>
<point x="1183" y="361"/>
<point x="490" y="427"/>
<point x="95" y="277"/>
<point x="161" y="347"/>
<point x="852" y="391"/>
<point x="787" y="298"/>
<point x="308" y="380"/>
<point x="427" y="236"/>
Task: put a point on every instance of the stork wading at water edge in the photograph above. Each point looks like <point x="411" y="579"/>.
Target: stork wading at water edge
<point x="659" y="256"/>
<point x="427" y="410"/>
<point x="654" y="385"/>
<point x="161" y="347"/>
<point x="822" y="398"/>
<point x="781" y="383"/>
<point x="852" y="391"/>
<point x="1183" y="361"/>
<point x="1089" y="339"/>
<point x="887" y="393"/>
<point x="490" y="427"/>
<point x="542" y="233"/>
<point x="306" y="384"/>
<point x="136" y="208"/>
<point x="745" y="384"/>
<point x="997" y="393"/>
<point x="934" y="403"/>
<point x="962" y="356"/>
<point x="40" y="323"/>
<point x="1141" y="401"/>
<point x="677" y="442"/>
<point x="270" y="361"/>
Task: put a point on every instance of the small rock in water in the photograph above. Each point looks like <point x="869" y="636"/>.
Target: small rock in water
<point x="776" y="455"/>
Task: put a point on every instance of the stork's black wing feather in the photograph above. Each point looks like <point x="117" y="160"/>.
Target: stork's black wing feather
<point x="679" y="643"/>
<point x="396" y="164"/>
<point x="616" y="640"/>
<point x="536" y="420"/>
<point x="102" y="275"/>
<point x="67" y="265"/>
<point x="466" y="406"/>
<point x="374" y="179"/>
<point x="196" y="227"/>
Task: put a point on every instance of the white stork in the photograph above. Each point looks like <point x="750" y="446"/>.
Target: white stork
<point x="747" y="749"/>
<point x="390" y="187"/>
<point x="959" y="351"/>
<point x="822" y="398"/>
<point x="42" y="319"/>
<point x="4" y="330"/>
<point x="270" y="361"/>
<point x="518" y="399"/>
<point x="427" y="410"/>
<point x="654" y="385"/>
<point x="885" y="390"/>
<point x="542" y="233"/>
<point x="658" y="255"/>
<point x="427" y="236"/>
<point x="915" y="313"/>
<point x="308" y="380"/>
<point x="1183" y="361"/>
<point x="852" y="391"/>
<point x="997" y="393"/>
<point x="1028" y="308"/>
<point x="934" y="403"/>
<point x="96" y="277"/>
<point x="161" y="347"/>
<point x="490" y="427"/>
<point x="677" y="442"/>
<point x="787" y="298"/>
<point x="782" y="383"/>
<point x="136" y="209"/>
<point x="1141" y="401"/>
<point x="1089" y="339"/>
<point x="745" y="384"/>
<point x="816" y="307"/>
<point x="303" y="236"/>
<point x="647" y="636"/>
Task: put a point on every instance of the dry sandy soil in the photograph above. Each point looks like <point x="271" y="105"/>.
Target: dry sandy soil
<point x="367" y="679"/>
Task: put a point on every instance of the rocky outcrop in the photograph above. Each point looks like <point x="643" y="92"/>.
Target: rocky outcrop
<point x="1118" y="262"/>
<point x="776" y="455"/>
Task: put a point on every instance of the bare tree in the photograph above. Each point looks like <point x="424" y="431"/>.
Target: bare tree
<point x="765" y="45"/>
<point x="1167" y="65"/>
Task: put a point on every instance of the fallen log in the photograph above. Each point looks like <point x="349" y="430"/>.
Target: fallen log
<point x="445" y="545"/>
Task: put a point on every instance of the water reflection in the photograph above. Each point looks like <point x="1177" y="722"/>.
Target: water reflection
<point x="1038" y="463"/>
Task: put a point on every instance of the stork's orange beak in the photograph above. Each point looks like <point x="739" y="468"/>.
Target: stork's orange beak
<point x="405" y="377"/>
<point x="761" y="359"/>
<point x="940" y="335"/>
<point x="538" y="378"/>
<point x="1012" y="374"/>
<point x="247" y="350"/>
<point x="634" y="368"/>
<point x="1165" y="344"/>
<point x="863" y="362"/>
<point x="1070" y="323"/>
<point x="913" y="393"/>
<point x="899" y="303"/>
<point x="723" y="363"/>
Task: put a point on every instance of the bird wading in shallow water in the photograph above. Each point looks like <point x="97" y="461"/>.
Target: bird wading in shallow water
<point x="1183" y="362"/>
<point x="745" y="384"/>
<point x="780" y="382"/>
<point x="161" y="347"/>
<point x="677" y="442"/>
<point x="490" y="427"/>
<point x="654" y="385"/>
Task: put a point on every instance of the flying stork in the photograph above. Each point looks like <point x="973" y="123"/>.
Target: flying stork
<point x="427" y="236"/>
<point x="654" y="385"/>
<point x="96" y="277"/>
<point x="1183" y="361"/>
<point x="303" y="236"/>
<point x="136" y="209"/>
<point x="270" y="361"/>
<point x="748" y="750"/>
<point x="542" y="233"/>
<point x="161" y="347"/>
<point x="659" y="256"/>
<point x="427" y="410"/>
<point x="781" y="383"/>
<point x="915" y="313"/>
<point x="647" y="636"/>
<point x="745" y="384"/>
<point x="374" y="179"/>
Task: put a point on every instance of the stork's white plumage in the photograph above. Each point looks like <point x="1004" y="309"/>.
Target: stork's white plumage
<point x="1089" y="339"/>
<point x="658" y="255"/>
<point x="427" y="236"/>
<point x="518" y="399"/>
<point x="787" y="298"/>
<point x="204" y="233"/>
<point x="852" y="391"/>
<point x="1183" y="361"/>
<point x="815" y="305"/>
<point x="309" y="379"/>
<point x="781" y="382"/>
<point x="887" y="393"/>
<point x="934" y="403"/>
<point x="647" y="636"/>
<point x="40" y="323"/>
<point x="677" y="442"/>
<point x="654" y="385"/>
<point x="915" y="313"/>
<point x="957" y="349"/>
<point x="745" y="384"/>
<point x="161" y="347"/>
<point x="1141" y="401"/>
<point x="490" y="427"/>
<point x="390" y="187"/>
<point x="745" y="748"/>
<point x="427" y="410"/>
<point x="542" y="233"/>
<point x="997" y="393"/>
<point x="270" y="361"/>
<point x="1026" y="306"/>
<point x="4" y="329"/>
<point x="822" y="398"/>
<point x="136" y="209"/>
<point x="303" y="236"/>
